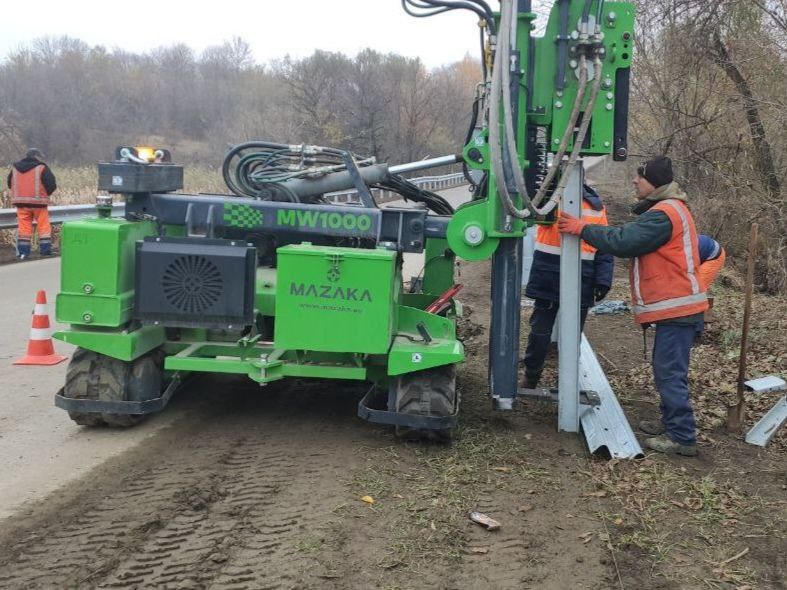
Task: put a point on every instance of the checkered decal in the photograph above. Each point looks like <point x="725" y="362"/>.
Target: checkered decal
<point x="243" y="216"/>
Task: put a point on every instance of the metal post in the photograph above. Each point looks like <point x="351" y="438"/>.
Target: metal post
<point x="504" y="330"/>
<point x="570" y="299"/>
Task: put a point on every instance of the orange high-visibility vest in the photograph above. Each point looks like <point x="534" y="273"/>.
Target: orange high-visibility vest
<point x="548" y="236"/>
<point x="665" y="283"/>
<point x="27" y="188"/>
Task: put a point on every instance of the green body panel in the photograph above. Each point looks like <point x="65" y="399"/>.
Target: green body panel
<point x="550" y="109"/>
<point x="265" y="293"/>
<point x="619" y="54"/>
<point x="410" y="353"/>
<point x="336" y="299"/>
<point x="97" y="271"/>
<point x="473" y="214"/>
<point x="125" y="346"/>
<point x="439" y="263"/>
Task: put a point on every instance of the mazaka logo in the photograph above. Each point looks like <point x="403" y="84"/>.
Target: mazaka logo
<point x="330" y="292"/>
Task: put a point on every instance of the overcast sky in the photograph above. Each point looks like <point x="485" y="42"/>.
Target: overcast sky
<point x="274" y="28"/>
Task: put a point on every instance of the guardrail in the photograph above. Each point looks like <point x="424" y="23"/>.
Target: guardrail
<point x="61" y="213"/>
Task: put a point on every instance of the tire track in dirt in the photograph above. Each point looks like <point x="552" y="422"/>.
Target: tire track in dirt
<point x="223" y="503"/>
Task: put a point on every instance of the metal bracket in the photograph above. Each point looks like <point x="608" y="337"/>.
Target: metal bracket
<point x="587" y="397"/>
<point x="762" y="432"/>
<point x="366" y="412"/>
<point x="150" y="406"/>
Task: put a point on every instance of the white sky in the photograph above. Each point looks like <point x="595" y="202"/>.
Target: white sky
<point x="273" y="28"/>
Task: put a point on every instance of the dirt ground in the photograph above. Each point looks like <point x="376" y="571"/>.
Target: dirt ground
<point x="255" y="487"/>
<point x="261" y="488"/>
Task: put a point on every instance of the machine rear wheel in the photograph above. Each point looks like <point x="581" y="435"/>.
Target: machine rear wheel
<point x="99" y="377"/>
<point x="431" y="392"/>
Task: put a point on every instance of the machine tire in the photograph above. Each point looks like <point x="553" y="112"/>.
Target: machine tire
<point x="96" y="376"/>
<point x="431" y="392"/>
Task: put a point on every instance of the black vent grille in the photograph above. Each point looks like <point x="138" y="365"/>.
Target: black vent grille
<point x="192" y="284"/>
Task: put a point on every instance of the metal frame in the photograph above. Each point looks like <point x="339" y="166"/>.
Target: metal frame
<point x="61" y="213"/>
<point x="150" y="406"/>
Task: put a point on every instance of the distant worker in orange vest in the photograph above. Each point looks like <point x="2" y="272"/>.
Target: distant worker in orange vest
<point x="32" y="183"/>
<point x="666" y="290"/>
<point x="543" y="284"/>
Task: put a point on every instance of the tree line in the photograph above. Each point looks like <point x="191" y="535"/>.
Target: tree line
<point x="77" y="102"/>
<point x="709" y="90"/>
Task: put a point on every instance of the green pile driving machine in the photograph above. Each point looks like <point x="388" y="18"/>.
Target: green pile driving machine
<point x="276" y="280"/>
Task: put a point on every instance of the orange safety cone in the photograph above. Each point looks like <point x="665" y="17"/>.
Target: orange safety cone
<point x="40" y="349"/>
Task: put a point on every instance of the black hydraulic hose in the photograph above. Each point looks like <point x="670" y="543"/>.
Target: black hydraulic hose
<point x="469" y="136"/>
<point x="586" y="12"/>
<point x="439" y="6"/>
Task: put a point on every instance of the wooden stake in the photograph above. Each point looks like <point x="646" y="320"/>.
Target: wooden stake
<point x="736" y="415"/>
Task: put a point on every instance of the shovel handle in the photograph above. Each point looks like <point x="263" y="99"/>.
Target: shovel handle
<point x="747" y="308"/>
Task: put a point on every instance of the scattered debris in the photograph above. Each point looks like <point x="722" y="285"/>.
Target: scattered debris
<point x="735" y="557"/>
<point x="367" y="499"/>
<point x="610" y="307"/>
<point x="479" y="550"/>
<point x="502" y="469"/>
<point x="485" y="521"/>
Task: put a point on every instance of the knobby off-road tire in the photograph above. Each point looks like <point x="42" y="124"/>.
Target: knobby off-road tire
<point x="431" y="392"/>
<point x="96" y="376"/>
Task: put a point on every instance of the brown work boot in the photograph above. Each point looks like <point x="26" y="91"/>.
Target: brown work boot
<point x="654" y="427"/>
<point x="662" y="444"/>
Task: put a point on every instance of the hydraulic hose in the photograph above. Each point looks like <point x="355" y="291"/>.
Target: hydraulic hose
<point x="507" y="38"/>
<point x="493" y="123"/>
<point x="580" y="138"/>
<point x="561" y="150"/>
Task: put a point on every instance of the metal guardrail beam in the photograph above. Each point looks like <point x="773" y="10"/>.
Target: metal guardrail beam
<point x="60" y="213"/>
<point x="605" y="426"/>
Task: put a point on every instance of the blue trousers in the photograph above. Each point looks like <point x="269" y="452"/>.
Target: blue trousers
<point x="541" y="322"/>
<point x="671" y="350"/>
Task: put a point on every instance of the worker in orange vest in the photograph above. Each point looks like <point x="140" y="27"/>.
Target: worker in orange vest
<point x="32" y="183"/>
<point x="666" y="290"/>
<point x="543" y="284"/>
<point x="712" y="257"/>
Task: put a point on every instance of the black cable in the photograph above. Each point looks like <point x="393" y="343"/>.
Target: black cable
<point x="469" y="136"/>
<point x="586" y="11"/>
<point x="479" y="7"/>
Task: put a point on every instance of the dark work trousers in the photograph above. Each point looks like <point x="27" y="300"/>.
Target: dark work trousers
<point x="541" y="322"/>
<point x="671" y="350"/>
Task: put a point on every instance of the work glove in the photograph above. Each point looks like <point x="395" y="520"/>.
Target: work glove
<point x="568" y="224"/>
<point x="599" y="292"/>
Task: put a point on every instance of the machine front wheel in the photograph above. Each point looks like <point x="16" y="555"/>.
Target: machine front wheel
<point x="96" y="376"/>
<point x="431" y="392"/>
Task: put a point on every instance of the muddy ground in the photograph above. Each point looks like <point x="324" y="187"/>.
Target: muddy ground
<point x="261" y="488"/>
<point x="255" y="487"/>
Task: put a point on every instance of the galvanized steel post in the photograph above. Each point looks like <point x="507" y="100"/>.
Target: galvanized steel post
<point x="570" y="296"/>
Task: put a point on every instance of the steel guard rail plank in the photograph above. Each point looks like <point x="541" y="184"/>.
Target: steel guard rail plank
<point x="605" y="426"/>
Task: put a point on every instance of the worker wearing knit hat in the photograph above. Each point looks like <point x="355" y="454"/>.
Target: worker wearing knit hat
<point x="665" y="290"/>
<point x="657" y="171"/>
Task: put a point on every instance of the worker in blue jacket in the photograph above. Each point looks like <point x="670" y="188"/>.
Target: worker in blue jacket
<point x="543" y="285"/>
